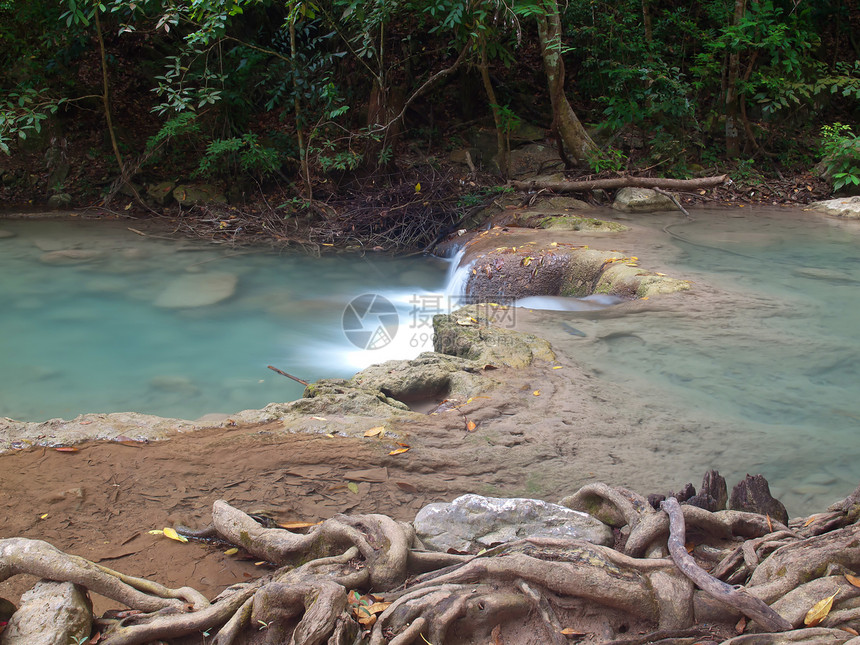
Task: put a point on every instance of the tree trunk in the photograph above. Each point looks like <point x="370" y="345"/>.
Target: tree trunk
<point x="501" y="140"/>
<point x="575" y="139"/>
<point x="732" y="104"/>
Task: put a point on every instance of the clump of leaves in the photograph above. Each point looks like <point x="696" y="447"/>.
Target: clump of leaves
<point x="840" y="148"/>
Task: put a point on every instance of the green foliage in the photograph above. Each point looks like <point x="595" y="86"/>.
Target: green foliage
<point x="841" y="150"/>
<point x="227" y="157"/>
<point x="22" y="113"/>
<point x="607" y="159"/>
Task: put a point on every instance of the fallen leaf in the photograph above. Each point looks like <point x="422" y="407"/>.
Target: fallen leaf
<point x="809" y="521"/>
<point x="418" y="187"/>
<point x="373" y="432"/>
<point x="536" y="392"/>
<point x="400" y="443"/>
<point x="690" y="546"/>
<point x="557" y="367"/>
<point x="43" y="517"/>
<point x="854" y="580"/>
<point x="232" y="551"/>
<point x="353" y="487"/>
<point x="156" y="532"/>
<point x="742" y="625"/>
<point x="66" y="449"/>
<point x="399" y="451"/>
<point x="853" y="632"/>
<point x="769" y="523"/>
<point x="297" y="525"/>
<point x="465" y="322"/>
<point x="378" y="607"/>
<point x="570" y="631"/>
<point x="319" y="418"/>
<point x="819" y="611"/>
<point x="260" y="563"/>
<point x="173" y="535"/>
<point x="329" y="435"/>
<point x="409" y="488"/>
<point x="471" y="426"/>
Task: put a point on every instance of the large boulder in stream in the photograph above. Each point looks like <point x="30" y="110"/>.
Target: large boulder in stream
<point x="477" y="333"/>
<point x="641" y="200"/>
<point x="472" y="522"/>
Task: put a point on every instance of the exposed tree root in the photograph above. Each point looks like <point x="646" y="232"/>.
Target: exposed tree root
<point x="738" y="564"/>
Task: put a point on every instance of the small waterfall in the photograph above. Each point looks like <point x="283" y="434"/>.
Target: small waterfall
<point x="458" y="278"/>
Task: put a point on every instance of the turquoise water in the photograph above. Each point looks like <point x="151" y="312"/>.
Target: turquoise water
<point x="93" y="334"/>
<point x="762" y="358"/>
<point x="760" y="361"/>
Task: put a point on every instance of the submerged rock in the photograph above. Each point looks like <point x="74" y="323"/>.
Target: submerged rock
<point x="6" y="234"/>
<point x="847" y="207"/>
<point x="197" y="290"/>
<point x="70" y="256"/>
<point x="472" y="522"/>
<point x="641" y="200"/>
<point x="51" y="613"/>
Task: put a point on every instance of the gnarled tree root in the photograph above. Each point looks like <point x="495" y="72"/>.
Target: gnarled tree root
<point x="555" y="586"/>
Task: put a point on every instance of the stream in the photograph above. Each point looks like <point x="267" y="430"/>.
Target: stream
<point x="96" y="318"/>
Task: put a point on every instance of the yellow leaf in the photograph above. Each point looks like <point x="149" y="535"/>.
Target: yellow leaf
<point x="527" y="261"/>
<point x="43" y="517"/>
<point x="353" y="487"/>
<point x="329" y="435"/>
<point x="854" y="580"/>
<point x="471" y="426"/>
<point x="373" y="432"/>
<point x="399" y="451"/>
<point x="662" y="275"/>
<point x="232" y="551"/>
<point x="809" y="521"/>
<point x="173" y="535"/>
<point x="260" y="563"/>
<point x="156" y="532"/>
<point x="536" y="392"/>
<point x="570" y="631"/>
<point x="418" y="187"/>
<point x="851" y="631"/>
<point x="557" y="367"/>
<point x="769" y="523"/>
<point x="819" y="611"/>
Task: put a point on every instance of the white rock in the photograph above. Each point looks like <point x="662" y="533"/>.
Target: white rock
<point x="70" y="256"/>
<point x="848" y="207"/>
<point x="197" y="290"/>
<point x="51" y="613"/>
<point x="641" y="200"/>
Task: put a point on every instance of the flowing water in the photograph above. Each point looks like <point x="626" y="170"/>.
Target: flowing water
<point x="768" y="344"/>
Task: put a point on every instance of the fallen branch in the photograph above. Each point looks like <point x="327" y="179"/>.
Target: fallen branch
<point x="283" y="373"/>
<point x="749" y="605"/>
<point x="621" y="182"/>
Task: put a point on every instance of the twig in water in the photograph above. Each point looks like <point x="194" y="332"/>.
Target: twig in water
<point x="283" y="373"/>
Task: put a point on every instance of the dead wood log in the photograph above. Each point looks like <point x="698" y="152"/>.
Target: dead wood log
<point x="621" y="182"/>
<point x="750" y="606"/>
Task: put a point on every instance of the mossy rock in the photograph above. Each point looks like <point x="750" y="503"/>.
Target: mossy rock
<point x="474" y="333"/>
<point x="584" y="271"/>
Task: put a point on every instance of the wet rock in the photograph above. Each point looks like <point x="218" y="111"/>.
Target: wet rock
<point x="641" y="200"/>
<point x="197" y="290"/>
<point x="70" y="256"/>
<point x="198" y="194"/>
<point x="51" y="613"/>
<point x="160" y="192"/>
<point x="847" y="207"/>
<point x="529" y="159"/>
<point x="472" y="522"/>
<point x="6" y="234"/>
<point x="429" y="377"/>
<point x="474" y="332"/>
<point x="752" y="494"/>
<point x="60" y="200"/>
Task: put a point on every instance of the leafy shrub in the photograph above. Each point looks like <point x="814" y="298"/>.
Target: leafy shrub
<point x="840" y="148"/>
